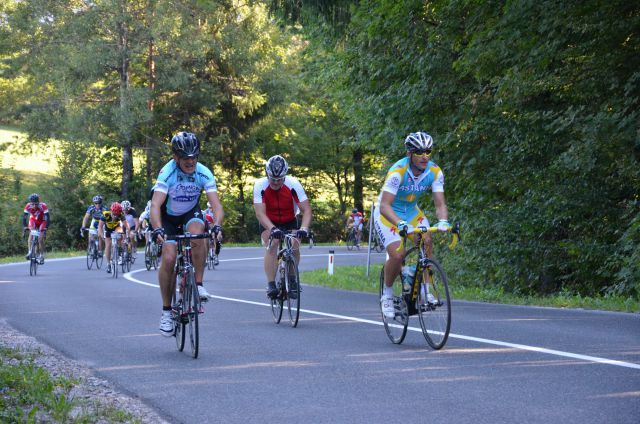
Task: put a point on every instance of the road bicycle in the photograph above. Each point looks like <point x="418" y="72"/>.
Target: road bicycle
<point x="34" y="257"/>
<point x="376" y="244"/>
<point x="93" y="250"/>
<point x="287" y="278"/>
<point x="115" y="253"/>
<point x="352" y="239"/>
<point x="150" y="251"/>
<point x="127" y="256"/>
<point x="424" y="292"/>
<point x="186" y="304"/>
<point x="212" y="243"/>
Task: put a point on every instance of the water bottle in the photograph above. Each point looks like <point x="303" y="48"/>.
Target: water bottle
<point x="408" y="271"/>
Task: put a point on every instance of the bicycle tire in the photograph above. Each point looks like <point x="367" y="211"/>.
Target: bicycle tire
<point x="210" y="252"/>
<point x="147" y="257"/>
<point x="293" y="292"/>
<point x="90" y="256"/>
<point x="396" y="327"/>
<point x="277" y="304"/>
<point x="351" y="241"/>
<point x="193" y="310"/>
<point x="378" y="246"/>
<point x="114" y="258"/>
<point x="33" y="265"/>
<point x="435" y="318"/>
<point x="177" y="304"/>
<point x="99" y="255"/>
<point x="127" y="261"/>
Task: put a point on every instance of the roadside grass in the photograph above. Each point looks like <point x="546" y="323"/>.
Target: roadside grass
<point x="30" y="394"/>
<point x="354" y="278"/>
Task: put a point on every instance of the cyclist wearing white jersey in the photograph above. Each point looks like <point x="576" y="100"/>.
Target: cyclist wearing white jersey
<point x="175" y="209"/>
<point x="406" y="180"/>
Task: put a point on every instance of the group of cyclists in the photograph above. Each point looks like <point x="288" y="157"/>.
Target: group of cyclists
<point x="277" y="198"/>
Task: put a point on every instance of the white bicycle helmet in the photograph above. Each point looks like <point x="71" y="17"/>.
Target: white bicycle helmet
<point x="126" y="204"/>
<point x="277" y="167"/>
<point x="418" y="141"/>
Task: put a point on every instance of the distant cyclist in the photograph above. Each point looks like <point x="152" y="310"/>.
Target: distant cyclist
<point x="276" y="199"/>
<point x="175" y="210"/>
<point x="131" y="216"/>
<point x="355" y="220"/>
<point x="36" y="217"/>
<point x="216" y="238"/>
<point x="406" y="180"/>
<point x="112" y="221"/>
<point x="94" y="213"/>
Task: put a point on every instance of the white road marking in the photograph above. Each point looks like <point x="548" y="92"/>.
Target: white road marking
<point x="451" y="335"/>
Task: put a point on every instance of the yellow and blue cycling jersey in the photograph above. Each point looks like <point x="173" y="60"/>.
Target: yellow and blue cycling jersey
<point x="407" y="188"/>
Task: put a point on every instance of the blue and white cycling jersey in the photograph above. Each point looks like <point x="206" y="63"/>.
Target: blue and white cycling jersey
<point x="401" y="182"/>
<point x="183" y="190"/>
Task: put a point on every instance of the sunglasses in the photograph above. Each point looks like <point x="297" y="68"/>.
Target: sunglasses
<point x="426" y="152"/>
<point x="276" y="180"/>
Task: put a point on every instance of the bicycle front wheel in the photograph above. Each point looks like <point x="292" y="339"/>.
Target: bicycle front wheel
<point x="210" y="255"/>
<point x="277" y="304"/>
<point x="90" y="255"/>
<point x="114" y="258"/>
<point x="293" y="292"/>
<point x="178" y="314"/>
<point x="351" y="241"/>
<point x="35" y="252"/>
<point x="192" y="304"/>
<point x="148" y="260"/>
<point x="434" y="304"/>
<point x="98" y="254"/>
<point x="395" y="327"/>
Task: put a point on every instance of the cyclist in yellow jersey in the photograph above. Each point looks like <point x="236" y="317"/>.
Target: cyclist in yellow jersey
<point x="406" y="180"/>
<point x="112" y="220"/>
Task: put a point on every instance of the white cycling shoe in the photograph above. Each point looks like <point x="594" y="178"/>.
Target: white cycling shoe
<point x="388" y="309"/>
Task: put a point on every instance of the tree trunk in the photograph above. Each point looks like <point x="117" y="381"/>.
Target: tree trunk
<point x="357" y="180"/>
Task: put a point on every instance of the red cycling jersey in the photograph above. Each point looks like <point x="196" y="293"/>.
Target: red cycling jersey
<point x="281" y="205"/>
<point x="38" y="215"/>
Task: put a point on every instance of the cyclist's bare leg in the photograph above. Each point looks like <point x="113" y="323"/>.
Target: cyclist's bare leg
<point x="394" y="264"/>
<point x="166" y="278"/>
<point x="107" y="243"/>
<point x="198" y="249"/>
<point x="270" y="257"/>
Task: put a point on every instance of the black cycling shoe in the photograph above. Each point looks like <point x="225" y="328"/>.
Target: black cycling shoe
<point x="272" y="290"/>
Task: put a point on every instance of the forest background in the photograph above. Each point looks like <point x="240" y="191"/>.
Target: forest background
<point x="533" y="105"/>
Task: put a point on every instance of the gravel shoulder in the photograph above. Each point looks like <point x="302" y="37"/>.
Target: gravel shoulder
<point x="90" y="388"/>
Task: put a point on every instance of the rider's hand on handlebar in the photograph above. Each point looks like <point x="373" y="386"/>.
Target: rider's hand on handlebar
<point x="443" y="225"/>
<point x="158" y="235"/>
<point x="302" y="234"/>
<point x="276" y="233"/>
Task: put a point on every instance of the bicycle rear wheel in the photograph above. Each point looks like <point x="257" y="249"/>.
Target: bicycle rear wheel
<point x="177" y="304"/>
<point x="435" y="315"/>
<point x="192" y="307"/>
<point x="293" y="292"/>
<point x="395" y="327"/>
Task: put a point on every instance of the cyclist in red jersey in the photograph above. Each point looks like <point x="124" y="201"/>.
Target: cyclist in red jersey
<point x="38" y="219"/>
<point x="276" y="199"/>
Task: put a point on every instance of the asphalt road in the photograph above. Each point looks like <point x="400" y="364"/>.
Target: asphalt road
<point x="502" y="364"/>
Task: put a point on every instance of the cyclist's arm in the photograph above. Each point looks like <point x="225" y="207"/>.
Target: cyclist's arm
<point x="85" y="219"/>
<point x="25" y="217"/>
<point x="156" y="202"/>
<point x="216" y="207"/>
<point x="385" y="207"/>
<point x="305" y="208"/>
<point x="47" y="218"/>
<point x="261" y="214"/>
<point x="441" y="206"/>
<point x="101" y="228"/>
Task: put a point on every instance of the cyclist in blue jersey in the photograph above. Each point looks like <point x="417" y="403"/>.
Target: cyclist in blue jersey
<point x="94" y="213"/>
<point x="175" y="209"/>
<point x="405" y="182"/>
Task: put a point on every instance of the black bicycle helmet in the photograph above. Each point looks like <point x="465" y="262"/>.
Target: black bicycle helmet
<point x="185" y="145"/>
<point x="277" y="167"/>
<point x="34" y="198"/>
